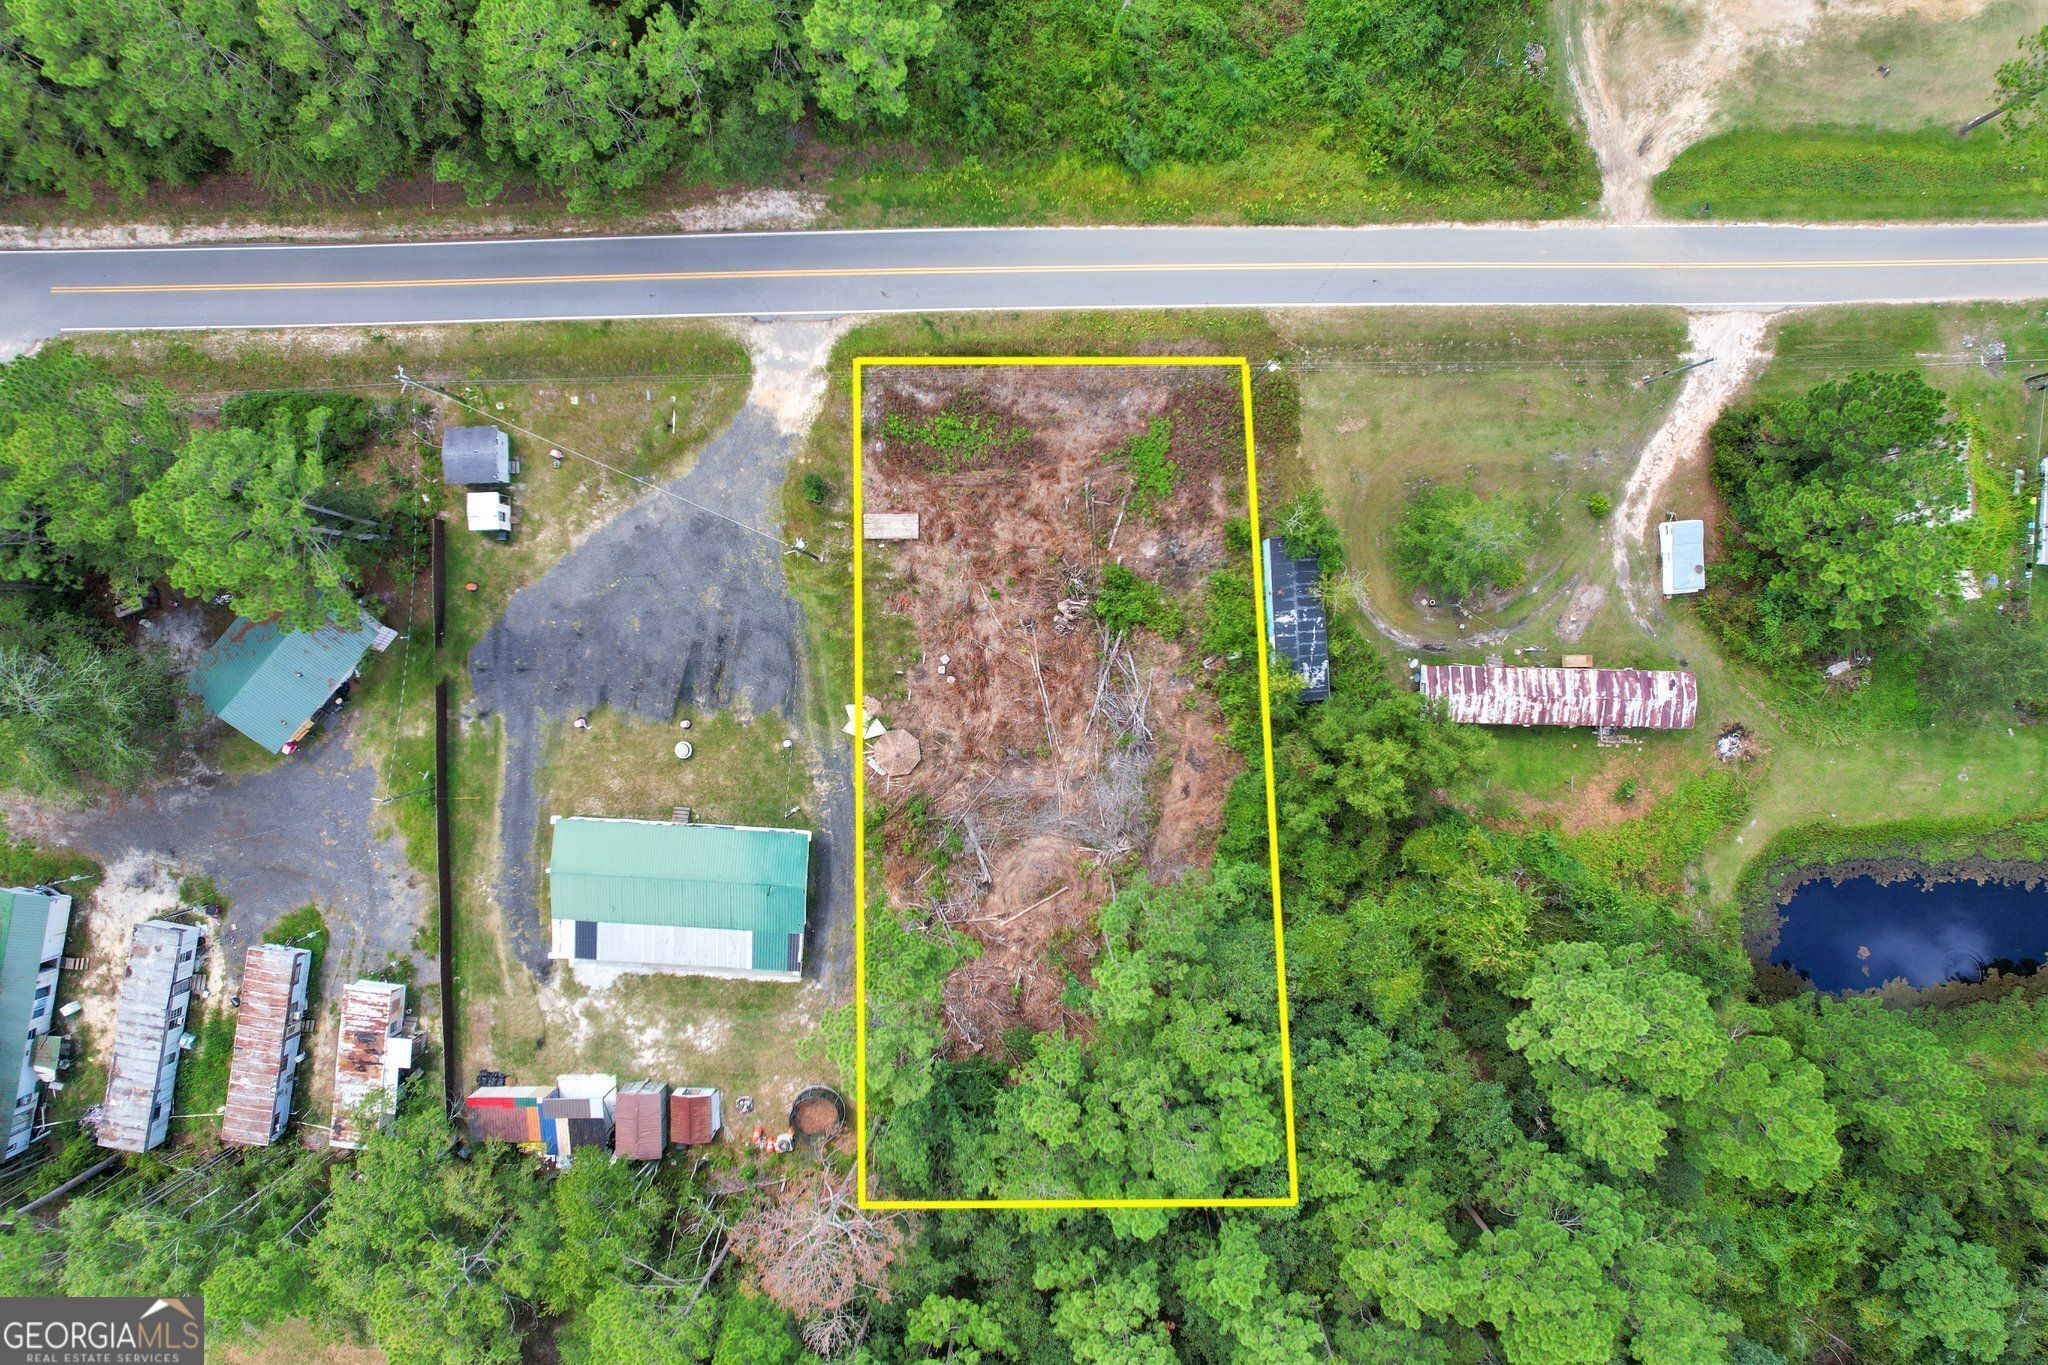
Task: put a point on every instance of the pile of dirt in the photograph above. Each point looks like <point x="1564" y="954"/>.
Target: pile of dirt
<point x="1054" y="758"/>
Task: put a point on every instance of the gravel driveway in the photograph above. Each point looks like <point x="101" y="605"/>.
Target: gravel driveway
<point x="272" y="841"/>
<point x="668" y="606"/>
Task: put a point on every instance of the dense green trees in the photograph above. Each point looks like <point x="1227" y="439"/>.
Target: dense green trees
<point x="1540" y="1117"/>
<point x="76" y="449"/>
<point x="105" y="492"/>
<point x="76" y="705"/>
<point x="102" y="486"/>
<point x="235" y="513"/>
<point x="1459" y="545"/>
<point x="1984" y="665"/>
<point x="597" y="97"/>
<point x="1844" y="501"/>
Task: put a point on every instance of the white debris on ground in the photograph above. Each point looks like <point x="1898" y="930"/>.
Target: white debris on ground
<point x="137" y="888"/>
<point x="1736" y="344"/>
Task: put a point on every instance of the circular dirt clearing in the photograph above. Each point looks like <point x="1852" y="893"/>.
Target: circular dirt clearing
<point x="818" y="1113"/>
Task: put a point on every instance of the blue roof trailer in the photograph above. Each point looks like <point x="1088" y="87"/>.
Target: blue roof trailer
<point x="1295" y="625"/>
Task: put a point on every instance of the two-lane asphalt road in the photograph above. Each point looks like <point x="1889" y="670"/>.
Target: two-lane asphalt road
<point x="43" y="293"/>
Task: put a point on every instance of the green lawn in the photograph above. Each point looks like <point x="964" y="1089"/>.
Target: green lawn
<point x="1285" y="182"/>
<point x="1540" y="402"/>
<point x="1855" y="174"/>
<point x="626" y="767"/>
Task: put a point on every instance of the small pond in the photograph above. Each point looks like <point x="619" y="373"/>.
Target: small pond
<point x="1859" y="933"/>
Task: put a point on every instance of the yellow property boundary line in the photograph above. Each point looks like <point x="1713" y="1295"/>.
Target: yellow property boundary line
<point x="860" y="879"/>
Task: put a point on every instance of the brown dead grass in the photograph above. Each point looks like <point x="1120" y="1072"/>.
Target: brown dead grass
<point x="1054" y="805"/>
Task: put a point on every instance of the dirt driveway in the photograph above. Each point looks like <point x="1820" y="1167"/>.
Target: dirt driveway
<point x="668" y="606"/>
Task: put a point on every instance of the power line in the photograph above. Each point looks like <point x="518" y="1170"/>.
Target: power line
<point x="406" y="383"/>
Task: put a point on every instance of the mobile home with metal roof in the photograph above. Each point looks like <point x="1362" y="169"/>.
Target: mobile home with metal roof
<point x="372" y="1055"/>
<point x="34" y="946"/>
<point x="704" y="900"/>
<point x="149" y="1029"/>
<point x="1595" y="698"/>
<point x="1296" y="630"/>
<point x="269" y="1031"/>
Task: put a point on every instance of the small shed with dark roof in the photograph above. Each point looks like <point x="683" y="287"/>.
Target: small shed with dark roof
<point x="475" y="456"/>
<point x="1295" y="625"/>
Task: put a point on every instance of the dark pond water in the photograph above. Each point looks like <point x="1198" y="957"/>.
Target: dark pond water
<point x="1859" y="933"/>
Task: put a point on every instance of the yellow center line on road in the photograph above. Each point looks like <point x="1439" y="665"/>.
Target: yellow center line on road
<point x="870" y="272"/>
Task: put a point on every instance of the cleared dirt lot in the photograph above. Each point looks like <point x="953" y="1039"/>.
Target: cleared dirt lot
<point x="1057" y="757"/>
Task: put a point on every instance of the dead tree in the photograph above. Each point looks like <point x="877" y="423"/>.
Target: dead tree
<point x="815" y="1249"/>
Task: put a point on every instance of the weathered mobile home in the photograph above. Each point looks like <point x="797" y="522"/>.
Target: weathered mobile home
<point x="149" y="1029"/>
<point x="269" y="1030"/>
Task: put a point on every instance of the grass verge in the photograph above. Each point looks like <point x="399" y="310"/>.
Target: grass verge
<point x="1853" y="174"/>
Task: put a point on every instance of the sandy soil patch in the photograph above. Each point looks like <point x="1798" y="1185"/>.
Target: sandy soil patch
<point x="1585" y="604"/>
<point x="1735" y="345"/>
<point x="747" y="210"/>
<point x="1650" y="76"/>
<point x="137" y="888"/>
<point x="789" y="356"/>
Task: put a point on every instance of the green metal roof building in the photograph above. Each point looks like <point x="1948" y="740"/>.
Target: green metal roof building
<point x="704" y="900"/>
<point x="269" y="682"/>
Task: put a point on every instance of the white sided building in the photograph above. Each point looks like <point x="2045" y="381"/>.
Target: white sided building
<point x="33" y="942"/>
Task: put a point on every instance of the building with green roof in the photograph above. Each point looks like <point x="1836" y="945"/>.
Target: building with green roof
<point x="702" y="900"/>
<point x="33" y="944"/>
<point x="270" y="683"/>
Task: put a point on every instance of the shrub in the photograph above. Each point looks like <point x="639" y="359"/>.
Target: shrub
<point x="815" y="488"/>
<point x="1127" y="602"/>
<point x="957" y="436"/>
<point x="1306" y="531"/>
<point x="1459" y="545"/>
<point x="351" y="418"/>
<point x="1599" y="505"/>
<point x="1153" y="474"/>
